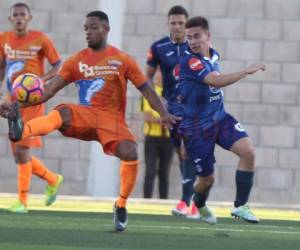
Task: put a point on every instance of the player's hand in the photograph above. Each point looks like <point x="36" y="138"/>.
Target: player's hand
<point x="4" y="109"/>
<point x="255" y="67"/>
<point x="168" y="120"/>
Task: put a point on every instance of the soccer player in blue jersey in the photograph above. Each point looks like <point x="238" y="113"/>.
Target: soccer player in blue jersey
<point x="166" y="53"/>
<point x="205" y="122"/>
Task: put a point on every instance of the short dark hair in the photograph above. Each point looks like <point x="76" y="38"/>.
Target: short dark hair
<point x="178" y="10"/>
<point x="197" y="21"/>
<point x="21" y="5"/>
<point x="100" y="14"/>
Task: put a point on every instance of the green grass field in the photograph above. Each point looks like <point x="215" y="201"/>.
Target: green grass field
<point x="76" y="225"/>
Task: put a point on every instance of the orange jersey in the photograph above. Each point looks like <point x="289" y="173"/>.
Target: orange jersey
<point x="101" y="77"/>
<point x="26" y="54"/>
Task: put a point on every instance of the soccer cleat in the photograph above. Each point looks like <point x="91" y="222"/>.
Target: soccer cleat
<point x="18" y="208"/>
<point x="15" y="123"/>
<point x="207" y="215"/>
<point x="194" y="213"/>
<point x="181" y="209"/>
<point x="245" y="213"/>
<point x="120" y="218"/>
<point x="51" y="191"/>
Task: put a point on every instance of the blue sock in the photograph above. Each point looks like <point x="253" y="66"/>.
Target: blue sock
<point x="200" y="199"/>
<point x="244" y="181"/>
<point x="188" y="179"/>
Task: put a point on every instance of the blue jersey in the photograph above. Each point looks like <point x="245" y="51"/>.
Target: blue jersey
<point x="203" y="104"/>
<point x="166" y="54"/>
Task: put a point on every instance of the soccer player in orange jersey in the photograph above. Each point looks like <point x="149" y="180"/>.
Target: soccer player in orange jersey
<point x="100" y="73"/>
<point x="23" y="51"/>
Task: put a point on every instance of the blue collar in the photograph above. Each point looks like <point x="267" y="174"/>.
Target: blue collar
<point x="173" y="42"/>
<point x="214" y="55"/>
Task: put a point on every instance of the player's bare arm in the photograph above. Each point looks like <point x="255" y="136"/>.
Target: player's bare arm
<point x="149" y="117"/>
<point x="56" y="84"/>
<point x="221" y="80"/>
<point x="150" y="72"/>
<point x="51" y="73"/>
<point x="156" y="104"/>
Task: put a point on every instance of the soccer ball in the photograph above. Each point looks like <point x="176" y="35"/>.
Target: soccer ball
<point x="28" y="88"/>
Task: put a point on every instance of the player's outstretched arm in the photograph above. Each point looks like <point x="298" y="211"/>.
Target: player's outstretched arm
<point x="51" y="88"/>
<point x="150" y="72"/>
<point x="155" y="102"/>
<point x="221" y="80"/>
<point x="52" y="72"/>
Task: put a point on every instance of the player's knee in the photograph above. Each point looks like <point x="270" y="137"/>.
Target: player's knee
<point x="127" y="151"/>
<point x="249" y="154"/>
<point x="21" y="155"/>
<point x="66" y="116"/>
<point x="209" y="181"/>
<point x="204" y="184"/>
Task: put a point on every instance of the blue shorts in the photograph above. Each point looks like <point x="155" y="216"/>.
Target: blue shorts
<point x="200" y="147"/>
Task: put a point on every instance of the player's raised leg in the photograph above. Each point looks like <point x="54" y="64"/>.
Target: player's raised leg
<point x="39" y="126"/>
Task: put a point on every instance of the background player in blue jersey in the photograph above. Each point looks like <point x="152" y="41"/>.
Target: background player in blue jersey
<point x="206" y="123"/>
<point x="166" y="53"/>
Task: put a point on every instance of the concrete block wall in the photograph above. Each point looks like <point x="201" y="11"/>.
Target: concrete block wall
<point x="267" y="104"/>
<point x="62" y="21"/>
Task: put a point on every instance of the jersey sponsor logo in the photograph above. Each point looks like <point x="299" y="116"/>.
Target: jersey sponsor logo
<point x="176" y="72"/>
<point x="217" y="94"/>
<point x="214" y="90"/>
<point x="88" y="88"/>
<point x="239" y="127"/>
<point x="13" y="54"/>
<point x="195" y="64"/>
<point x="12" y="67"/>
<point x="92" y="71"/>
<point x="35" y="48"/>
<point x="115" y="62"/>
<point x="215" y="98"/>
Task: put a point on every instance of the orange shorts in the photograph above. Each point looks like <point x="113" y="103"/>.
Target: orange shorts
<point x="92" y="124"/>
<point x="28" y="113"/>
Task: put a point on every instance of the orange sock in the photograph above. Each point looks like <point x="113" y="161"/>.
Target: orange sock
<point x="128" y="173"/>
<point x="40" y="170"/>
<point x="43" y="125"/>
<point x="24" y="178"/>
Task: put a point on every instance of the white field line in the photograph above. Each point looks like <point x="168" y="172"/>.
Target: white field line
<point x="212" y="228"/>
<point x="155" y="201"/>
